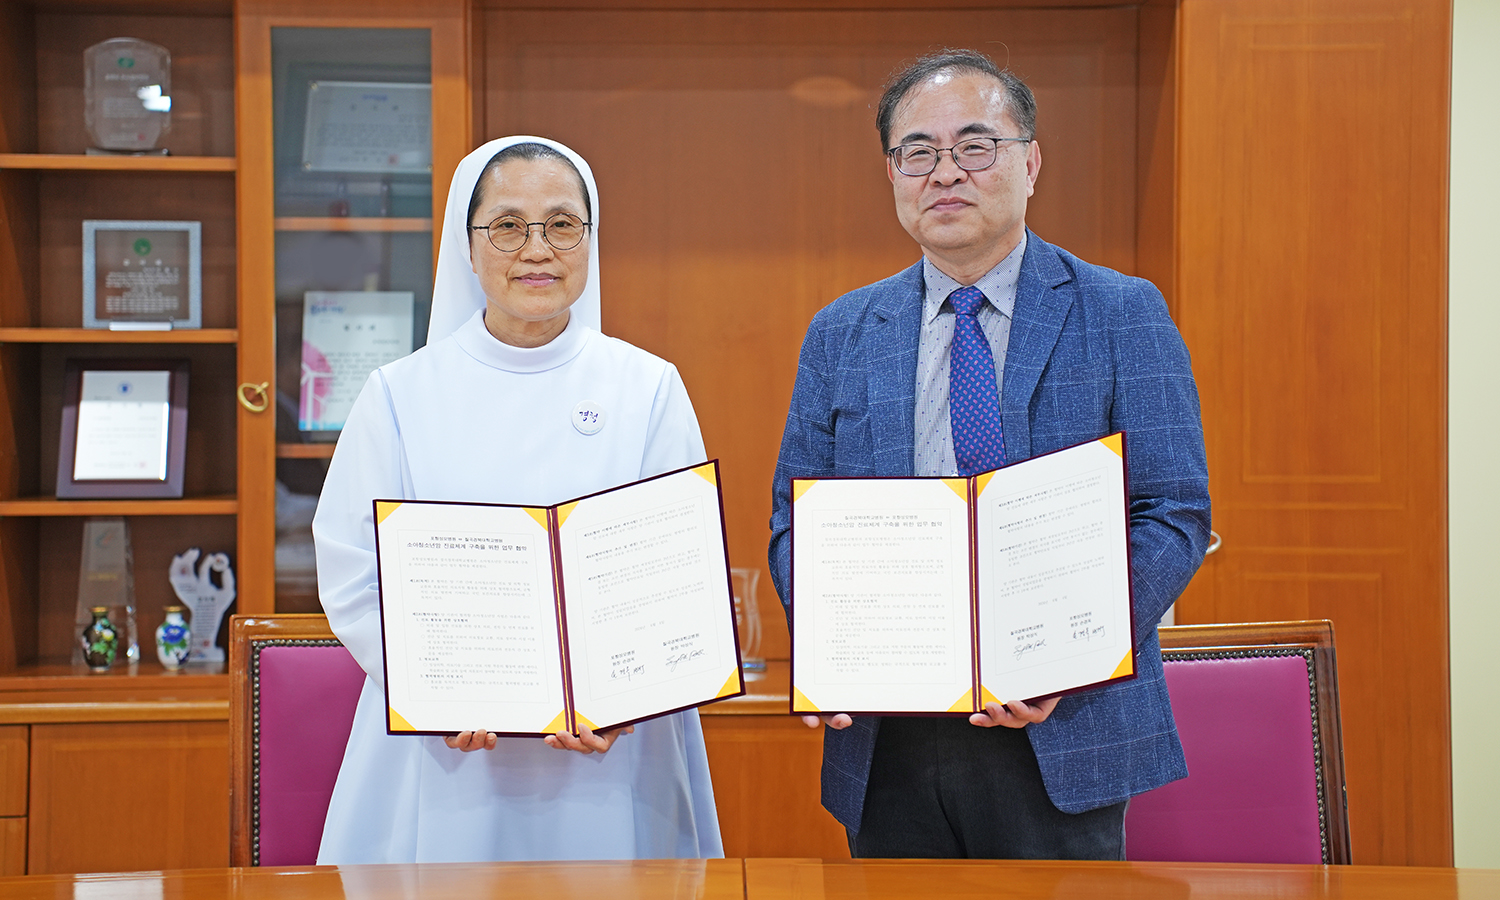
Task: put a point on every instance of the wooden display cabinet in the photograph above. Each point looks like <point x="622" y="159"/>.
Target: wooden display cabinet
<point x="154" y="741"/>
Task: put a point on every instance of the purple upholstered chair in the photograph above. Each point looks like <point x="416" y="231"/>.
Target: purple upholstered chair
<point x="1257" y="708"/>
<point x="294" y="692"/>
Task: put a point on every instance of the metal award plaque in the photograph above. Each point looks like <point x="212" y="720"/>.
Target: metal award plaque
<point x="142" y="275"/>
<point x="127" y="94"/>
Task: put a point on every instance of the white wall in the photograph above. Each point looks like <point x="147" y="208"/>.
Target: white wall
<point x="1474" y="432"/>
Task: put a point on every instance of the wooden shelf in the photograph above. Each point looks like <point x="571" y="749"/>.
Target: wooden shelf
<point x="305" y="451"/>
<point x="105" y="336"/>
<point x="78" y="162"/>
<point x="50" y="506"/>
<point x="351" y="223"/>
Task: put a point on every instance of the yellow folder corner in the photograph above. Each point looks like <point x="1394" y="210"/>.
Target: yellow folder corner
<point x="384" y="508"/>
<point x="959" y="486"/>
<point x="558" y="723"/>
<point x="583" y="722"/>
<point x="965" y="703"/>
<point x="1115" y="443"/>
<point x="709" y="471"/>
<point x="732" y="686"/>
<point x="800" y="703"/>
<point x="539" y="514"/>
<point x="398" y="723"/>
<point x="981" y="480"/>
<point x="564" y="511"/>
<point x="1126" y="666"/>
<point x="801" y="486"/>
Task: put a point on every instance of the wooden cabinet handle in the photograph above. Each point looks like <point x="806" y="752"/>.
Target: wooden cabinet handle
<point x="260" y="393"/>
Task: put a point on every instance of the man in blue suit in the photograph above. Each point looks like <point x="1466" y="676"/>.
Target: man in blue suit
<point x="1077" y="352"/>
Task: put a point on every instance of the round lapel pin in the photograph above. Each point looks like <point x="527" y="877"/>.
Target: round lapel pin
<point x="588" y="417"/>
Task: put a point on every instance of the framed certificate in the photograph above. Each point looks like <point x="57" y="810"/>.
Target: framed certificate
<point x="140" y="275"/>
<point x="124" y="429"/>
<point x="368" y="126"/>
<point x="346" y="335"/>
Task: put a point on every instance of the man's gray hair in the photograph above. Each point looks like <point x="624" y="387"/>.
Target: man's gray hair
<point x="1019" y="102"/>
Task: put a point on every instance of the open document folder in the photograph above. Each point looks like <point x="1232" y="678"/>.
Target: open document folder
<point x="939" y="595"/>
<point x="525" y="620"/>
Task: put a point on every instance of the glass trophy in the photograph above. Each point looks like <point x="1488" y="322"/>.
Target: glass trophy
<point x="105" y="579"/>
<point x="747" y="618"/>
<point x="127" y="90"/>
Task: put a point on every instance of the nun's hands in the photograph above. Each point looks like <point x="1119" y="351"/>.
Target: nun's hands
<point x="587" y="741"/>
<point x="469" y="741"/>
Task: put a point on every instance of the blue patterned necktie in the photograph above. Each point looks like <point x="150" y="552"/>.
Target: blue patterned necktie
<point x="973" y="398"/>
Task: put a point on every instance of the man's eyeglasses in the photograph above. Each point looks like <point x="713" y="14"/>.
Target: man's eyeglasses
<point x="508" y="234"/>
<point x="971" y="155"/>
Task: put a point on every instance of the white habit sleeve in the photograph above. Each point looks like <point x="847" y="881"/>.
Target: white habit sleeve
<point x="368" y="464"/>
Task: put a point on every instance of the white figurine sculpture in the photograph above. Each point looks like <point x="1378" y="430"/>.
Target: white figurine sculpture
<point x="207" y="601"/>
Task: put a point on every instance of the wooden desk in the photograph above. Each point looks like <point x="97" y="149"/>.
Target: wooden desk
<point x="773" y="879"/>
<point x="806" y="879"/>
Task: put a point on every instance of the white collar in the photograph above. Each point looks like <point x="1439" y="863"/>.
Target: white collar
<point x="484" y="347"/>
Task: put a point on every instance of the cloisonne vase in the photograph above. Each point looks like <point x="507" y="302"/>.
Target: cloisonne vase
<point x="99" y="640"/>
<point x="172" y="639"/>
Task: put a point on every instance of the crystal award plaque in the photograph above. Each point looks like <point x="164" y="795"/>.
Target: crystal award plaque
<point x="127" y="90"/>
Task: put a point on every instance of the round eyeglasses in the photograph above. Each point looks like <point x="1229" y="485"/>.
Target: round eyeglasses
<point x="971" y="155"/>
<point x="563" y="231"/>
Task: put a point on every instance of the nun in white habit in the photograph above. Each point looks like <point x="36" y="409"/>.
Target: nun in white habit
<point x="491" y="411"/>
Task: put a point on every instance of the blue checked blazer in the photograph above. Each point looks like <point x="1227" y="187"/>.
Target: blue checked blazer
<point x="1091" y="352"/>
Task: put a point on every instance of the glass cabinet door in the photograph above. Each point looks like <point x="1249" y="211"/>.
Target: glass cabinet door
<point x="352" y="132"/>
<point x="347" y="273"/>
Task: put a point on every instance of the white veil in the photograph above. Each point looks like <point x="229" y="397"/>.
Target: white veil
<point x="456" y="293"/>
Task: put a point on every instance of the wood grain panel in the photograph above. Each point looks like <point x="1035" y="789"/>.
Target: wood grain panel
<point x="18" y="68"/>
<point x="202" y="78"/>
<point x="129" y="796"/>
<point x="1311" y="292"/>
<point x="742" y="186"/>
<point x="765" y="771"/>
<point x="13" y="846"/>
<point x="15" y="745"/>
<point x="18" y="580"/>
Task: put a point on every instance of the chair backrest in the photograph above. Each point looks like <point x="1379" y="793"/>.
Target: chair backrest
<point x="293" y="692"/>
<point x="1257" y="708"/>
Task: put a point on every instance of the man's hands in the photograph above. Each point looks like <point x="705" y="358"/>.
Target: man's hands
<point x="586" y="742"/>
<point x="1013" y="714"/>
<point x="836" y="722"/>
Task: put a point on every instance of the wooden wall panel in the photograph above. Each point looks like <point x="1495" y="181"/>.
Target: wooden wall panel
<point x="1311" y="292"/>
<point x="766" y="785"/>
<point x="123" y="797"/>
<point x="742" y="186"/>
<point x="13" y="846"/>
<point x="15" y="745"/>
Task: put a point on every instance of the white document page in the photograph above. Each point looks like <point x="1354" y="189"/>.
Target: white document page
<point x="880" y="595"/>
<point x="471" y="638"/>
<point x="124" y="420"/>
<point x="650" y="618"/>
<point x="1054" y="573"/>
